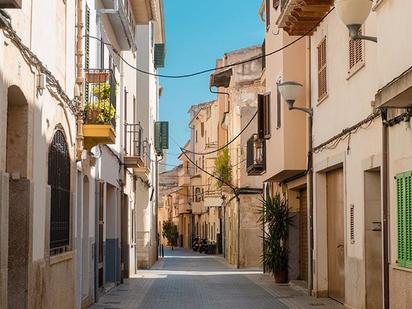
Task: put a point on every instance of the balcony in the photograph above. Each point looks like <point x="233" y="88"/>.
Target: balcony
<point x="198" y="208"/>
<point x="213" y="199"/>
<point x="100" y="108"/>
<point x="256" y="156"/>
<point x="121" y="17"/>
<point x="10" y="4"/>
<point x="297" y="17"/>
<point x="184" y="206"/>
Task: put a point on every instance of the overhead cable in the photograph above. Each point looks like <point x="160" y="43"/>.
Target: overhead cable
<point x="178" y="76"/>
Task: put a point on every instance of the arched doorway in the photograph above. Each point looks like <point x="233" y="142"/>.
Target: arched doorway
<point x="19" y="197"/>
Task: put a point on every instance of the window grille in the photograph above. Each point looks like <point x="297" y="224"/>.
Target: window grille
<point x="59" y="182"/>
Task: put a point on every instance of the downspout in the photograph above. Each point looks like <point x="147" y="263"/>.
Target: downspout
<point x="238" y="232"/>
<point x="310" y="175"/>
<point x="385" y="202"/>
<point x="79" y="77"/>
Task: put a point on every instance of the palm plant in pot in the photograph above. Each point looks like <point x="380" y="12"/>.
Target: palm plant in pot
<point x="275" y="222"/>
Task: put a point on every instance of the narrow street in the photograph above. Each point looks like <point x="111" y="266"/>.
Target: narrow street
<point x="185" y="279"/>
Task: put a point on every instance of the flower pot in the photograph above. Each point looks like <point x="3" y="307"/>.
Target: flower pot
<point x="97" y="77"/>
<point x="281" y="276"/>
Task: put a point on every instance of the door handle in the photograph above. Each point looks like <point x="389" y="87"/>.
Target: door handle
<point x="339" y="246"/>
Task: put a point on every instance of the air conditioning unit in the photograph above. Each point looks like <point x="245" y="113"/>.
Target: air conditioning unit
<point x="10" y="4"/>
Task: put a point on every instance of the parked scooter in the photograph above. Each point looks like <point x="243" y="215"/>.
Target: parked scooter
<point x="196" y="244"/>
<point x="203" y="246"/>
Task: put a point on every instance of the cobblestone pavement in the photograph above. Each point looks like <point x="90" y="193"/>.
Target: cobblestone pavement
<point x="184" y="279"/>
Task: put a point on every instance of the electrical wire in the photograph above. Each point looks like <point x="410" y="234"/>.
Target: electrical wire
<point x="224" y="146"/>
<point x="214" y="176"/>
<point x="179" y="76"/>
<point x="52" y="83"/>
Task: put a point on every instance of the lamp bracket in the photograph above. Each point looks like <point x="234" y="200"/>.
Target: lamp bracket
<point x="354" y="34"/>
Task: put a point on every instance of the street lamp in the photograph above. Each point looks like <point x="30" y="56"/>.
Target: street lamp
<point x="290" y="91"/>
<point x="353" y="13"/>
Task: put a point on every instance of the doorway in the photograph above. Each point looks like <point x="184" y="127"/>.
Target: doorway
<point x="85" y="240"/>
<point x="19" y="198"/>
<point x="335" y="235"/>
<point x="373" y="239"/>
<point x="303" y="235"/>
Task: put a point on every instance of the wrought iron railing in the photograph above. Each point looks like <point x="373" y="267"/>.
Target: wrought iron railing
<point x="256" y="155"/>
<point x="133" y="140"/>
<point x="100" y="97"/>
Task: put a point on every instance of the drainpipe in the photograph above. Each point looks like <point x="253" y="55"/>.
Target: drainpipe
<point x="385" y="203"/>
<point x="238" y="232"/>
<point x="79" y="77"/>
<point x="310" y="176"/>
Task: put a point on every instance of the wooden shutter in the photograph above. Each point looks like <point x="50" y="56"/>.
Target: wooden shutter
<point x="260" y="115"/>
<point x="267" y="14"/>
<point x="278" y="109"/>
<point x="356" y="53"/>
<point x="322" y="70"/>
<point x="266" y="116"/>
<point x="404" y="210"/>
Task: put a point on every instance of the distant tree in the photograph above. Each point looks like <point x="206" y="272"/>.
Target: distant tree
<point x="223" y="169"/>
<point x="170" y="232"/>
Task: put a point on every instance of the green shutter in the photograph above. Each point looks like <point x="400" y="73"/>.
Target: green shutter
<point x="404" y="210"/>
<point x="161" y="135"/>
<point x="87" y="51"/>
<point x="159" y="55"/>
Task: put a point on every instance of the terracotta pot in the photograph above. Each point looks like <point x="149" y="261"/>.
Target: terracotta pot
<point x="97" y="77"/>
<point x="281" y="276"/>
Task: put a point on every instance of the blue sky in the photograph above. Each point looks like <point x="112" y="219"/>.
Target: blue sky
<point x="197" y="33"/>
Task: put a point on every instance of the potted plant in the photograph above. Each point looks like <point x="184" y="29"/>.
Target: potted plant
<point x="275" y="222"/>
<point x="100" y="110"/>
<point x="170" y="233"/>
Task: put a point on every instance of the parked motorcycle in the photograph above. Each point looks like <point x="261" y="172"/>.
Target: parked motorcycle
<point x="203" y="246"/>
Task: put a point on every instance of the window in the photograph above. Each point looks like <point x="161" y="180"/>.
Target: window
<point x="198" y="197"/>
<point x="264" y="116"/>
<point x="356" y="54"/>
<point x="322" y="71"/>
<point x="59" y="182"/>
<point x="202" y="129"/>
<point x="278" y="109"/>
<point x="404" y="210"/>
<point x="276" y="3"/>
<point x="267" y="14"/>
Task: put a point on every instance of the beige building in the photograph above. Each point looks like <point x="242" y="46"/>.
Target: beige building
<point x="284" y="134"/>
<point x="238" y="89"/>
<point x="359" y="94"/>
<point x="204" y="123"/>
<point x="37" y="155"/>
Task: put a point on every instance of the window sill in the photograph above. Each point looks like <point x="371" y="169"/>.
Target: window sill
<point x="320" y="100"/>
<point x="400" y="268"/>
<point x="60" y="258"/>
<point x="355" y="69"/>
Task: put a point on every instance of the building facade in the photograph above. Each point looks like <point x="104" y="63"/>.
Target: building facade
<point x="73" y="156"/>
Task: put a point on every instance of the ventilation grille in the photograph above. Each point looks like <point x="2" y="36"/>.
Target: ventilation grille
<point x="352" y="224"/>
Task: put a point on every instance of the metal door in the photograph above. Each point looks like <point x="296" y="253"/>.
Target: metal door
<point x="335" y="242"/>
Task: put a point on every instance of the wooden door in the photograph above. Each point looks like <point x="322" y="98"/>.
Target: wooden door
<point x="335" y="229"/>
<point x="303" y="235"/>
